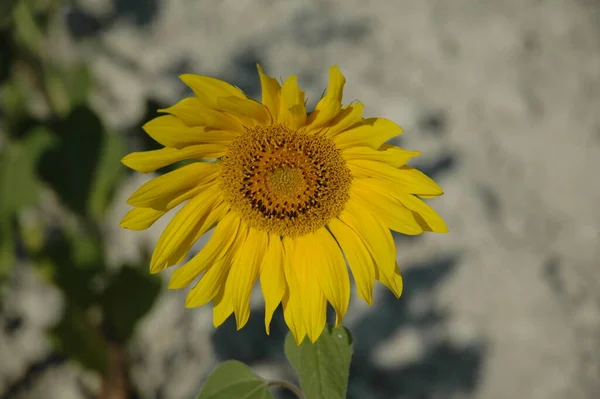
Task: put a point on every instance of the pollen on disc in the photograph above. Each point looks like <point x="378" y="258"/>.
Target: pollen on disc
<point x="285" y="182"/>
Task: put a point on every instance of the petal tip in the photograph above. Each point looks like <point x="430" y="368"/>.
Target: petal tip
<point x="126" y="159"/>
<point x="185" y="77"/>
<point x="125" y="224"/>
<point x="175" y="283"/>
<point x="241" y="321"/>
<point x="157" y="267"/>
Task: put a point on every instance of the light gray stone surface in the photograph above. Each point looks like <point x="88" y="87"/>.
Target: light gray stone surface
<point x="502" y="98"/>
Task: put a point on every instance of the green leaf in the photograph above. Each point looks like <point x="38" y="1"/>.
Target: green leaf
<point x="6" y="8"/>
<point x="79" y="339"/>
<point x="78" y="83"/>
<point x="109" y="172"/>
<point x="85" y="169"/>
<point x="18" y="180"/>
<point x="79" y="264"/>
<point x="233" y="379"/>
<point x="14" y="100"/>
<point x="7" y="251"/>
<point x="7" y="51"/>
<point x="67" y="87"/>
<point x="31" y="230"/>
<point x="322" y="367"/>
<point x="70" y="169"/>
<point x="129" y="296"/>
<point x="41" y="6"/>
<point x="27" y="31"/>
<point x="58" y="93"/>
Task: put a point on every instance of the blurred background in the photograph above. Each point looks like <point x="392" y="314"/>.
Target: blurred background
<point x="501" y="97"/>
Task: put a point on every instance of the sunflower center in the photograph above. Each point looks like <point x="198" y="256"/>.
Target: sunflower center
<point x="285" y="182"/>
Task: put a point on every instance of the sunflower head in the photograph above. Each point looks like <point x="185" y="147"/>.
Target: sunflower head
<point x="292" y="199"/>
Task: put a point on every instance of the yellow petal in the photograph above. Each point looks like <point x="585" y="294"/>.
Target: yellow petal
<point x="330" y="105"/>
<point x="292" y="112"/>
<point x="219" y="211"/>
<point x="215" y="249"/>
<point x="140" y="218"/>
<point x="296" y="117"/>
<point x="223" y="302"/>
<point x="170" y="131"/>
<point x="180" y="234"/>
<point x="405" y="178"/>
<point x="314" y="303"/>
<point x="149" y="161"/>
<point x="432" y="221"/>
<point x="360" y="261"/>
<point x="331" y="272"/>
<point x="292" y="299"/>
<point x="391" y="155"/>
<point x="391" y="211"/>
<point x="377" y="238"/>
<point x="271" y="92"/>
<point x="272" y="278"/>
<point x="192" y="113"/>
<point x="160" y="191"/>
<point x="372" y="132"/>
<point x="348" y="117"/>
<point x="244" y="272"/>
<point x="191" y="193"/>
<point x="208" y="90"/>
<point x="222" y="305"/>
<point x="247" y="108"/>
<point x="209" y="284"/>
<point x="393" y="283"/>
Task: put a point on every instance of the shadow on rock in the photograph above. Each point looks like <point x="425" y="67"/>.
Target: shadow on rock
<point x="440" y="370"/>
<point x="139" y="12"/>
<point x="437" y="167"/>
<point x="83" y="23"/>
<point x="243" y="72"/>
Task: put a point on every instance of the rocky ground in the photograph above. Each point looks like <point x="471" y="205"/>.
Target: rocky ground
<point x="502" y="98"/>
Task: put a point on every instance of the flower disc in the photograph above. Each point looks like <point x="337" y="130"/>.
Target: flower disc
<point x="285" y="182"/>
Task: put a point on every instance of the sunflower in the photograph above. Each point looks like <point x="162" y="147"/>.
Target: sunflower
<point x="293" y="199"/>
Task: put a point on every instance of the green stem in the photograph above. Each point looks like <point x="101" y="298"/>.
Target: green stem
<point x="287" y="385"/>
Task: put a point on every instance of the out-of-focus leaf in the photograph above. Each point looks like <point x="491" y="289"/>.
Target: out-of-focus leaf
<point x="14" y="100"/>
<point x="40" y="6"/>
<point x="18" y="181"/>
<point x="27" y="31"/>
<point x="58" y="93"/>
<point x="7" y="251"/>
<point x="233" y="379"/>
<point x="80" y="340"/>
<point x="67" y="88"/>
<point x="32" y="230"/>
<point x="46" y="269"/>
<point x="78" y="82"/>
<point x="79" y="264"/>
<point x="109" y="171"/>
<point x="6" y="50"/>
<point x="128" y="296"/>
<point x="6" y="12"/>
<point x="87" y="252"/>
<point x="322" y="367"/>
<point x="71" y="168"/>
